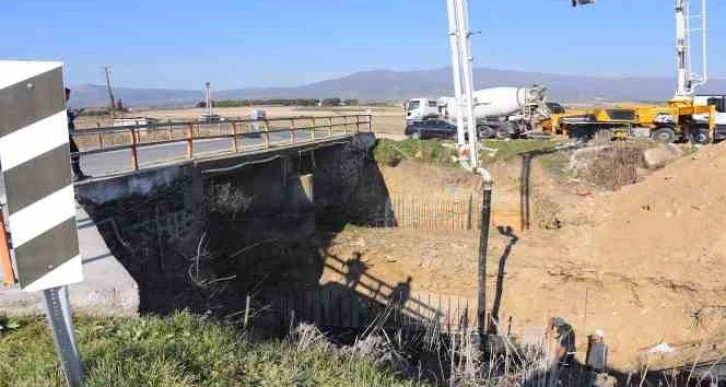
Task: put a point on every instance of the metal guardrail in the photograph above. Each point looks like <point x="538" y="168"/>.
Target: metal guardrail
<point x="238" y="131"/>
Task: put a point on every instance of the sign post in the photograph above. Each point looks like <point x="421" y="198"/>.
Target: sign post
<point x="35" y="160"/>
<point x="61" y="324"/>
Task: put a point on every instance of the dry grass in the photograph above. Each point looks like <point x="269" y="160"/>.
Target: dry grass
<point x="610" y="166"/>
<point x="616" y="167"/>
<point x="387" y="119"/>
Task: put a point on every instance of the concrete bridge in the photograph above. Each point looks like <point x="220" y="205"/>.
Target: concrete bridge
<point x="158" y="199"/>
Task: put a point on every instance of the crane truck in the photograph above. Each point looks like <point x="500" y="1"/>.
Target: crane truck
<point x="524" y="112"/>
<point x="685" y="117"/>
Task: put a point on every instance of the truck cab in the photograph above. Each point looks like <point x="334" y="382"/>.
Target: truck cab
<point x="719" y="101"/>
<point x="422" y="108"/>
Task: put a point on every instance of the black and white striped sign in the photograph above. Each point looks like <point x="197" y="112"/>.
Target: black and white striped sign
<point x="35" y="161"/>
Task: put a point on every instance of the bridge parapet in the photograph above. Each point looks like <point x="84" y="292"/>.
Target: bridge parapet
<point x="110" y="150"/>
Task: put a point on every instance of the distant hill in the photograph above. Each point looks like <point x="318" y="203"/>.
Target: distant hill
<point x="95" y="95"/>
<point x="385" y="85"/>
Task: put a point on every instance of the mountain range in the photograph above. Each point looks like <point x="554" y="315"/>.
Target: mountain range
<point x="396" y="86"/>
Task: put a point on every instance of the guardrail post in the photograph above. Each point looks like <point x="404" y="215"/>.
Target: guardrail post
<point x="330" y="126"/>
<point x="171" y="131"/>
<point x="357" y="124"/>
<point x="190" y="142"/>
<point x="370" y="123"/>
<point x="345" y="125"/>
<point x="312" y="135"/>
<point x="234" y="137"/>
<point x="267" y="134"/>
<point x="292" y="130"/>
<point x="134" y="154"/>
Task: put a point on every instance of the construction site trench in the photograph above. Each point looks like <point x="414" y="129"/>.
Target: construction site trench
<point x="330" y="236"/>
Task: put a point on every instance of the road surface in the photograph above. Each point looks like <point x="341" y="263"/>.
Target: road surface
<point x="113" y="162"/>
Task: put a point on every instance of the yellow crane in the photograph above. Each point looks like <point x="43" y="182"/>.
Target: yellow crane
<point x="679" y="119"/>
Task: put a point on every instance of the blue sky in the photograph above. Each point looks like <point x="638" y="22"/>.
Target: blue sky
<point x="241" y="43"/>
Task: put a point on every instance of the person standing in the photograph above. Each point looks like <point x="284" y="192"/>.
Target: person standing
<point x="565" y="340"/>
<point x="78" y="174"/>
<point x="597" y="360"/>
<point x="597" y="353"/>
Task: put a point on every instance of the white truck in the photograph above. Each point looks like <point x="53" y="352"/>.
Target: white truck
<point x="719" y="101"/>
<point x="500" y="111"/>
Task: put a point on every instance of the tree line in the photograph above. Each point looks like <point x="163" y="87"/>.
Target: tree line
<point x="329" y="102"/>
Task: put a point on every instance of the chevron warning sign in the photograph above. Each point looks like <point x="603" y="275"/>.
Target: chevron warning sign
<point x="34" y="157"/>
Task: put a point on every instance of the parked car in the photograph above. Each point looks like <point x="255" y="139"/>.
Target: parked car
<point x="426" y="129"/>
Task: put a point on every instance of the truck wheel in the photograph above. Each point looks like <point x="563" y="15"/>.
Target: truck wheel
<point x="665" y="134"/>
<point x="700" y="136"/>
<point x="486" y="132"/>
<point x="416" y="135"/>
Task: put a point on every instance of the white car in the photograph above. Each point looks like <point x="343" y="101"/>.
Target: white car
<point x="211" y="118"/>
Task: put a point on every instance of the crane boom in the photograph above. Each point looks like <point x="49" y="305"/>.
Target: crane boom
<point x="463" y="78"/>
<point x="688" y="80"/>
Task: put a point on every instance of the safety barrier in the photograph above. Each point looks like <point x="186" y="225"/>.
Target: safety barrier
<point x="244" y="134"/>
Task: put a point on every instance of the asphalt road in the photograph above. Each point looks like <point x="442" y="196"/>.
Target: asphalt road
<point x="109" y="163"/>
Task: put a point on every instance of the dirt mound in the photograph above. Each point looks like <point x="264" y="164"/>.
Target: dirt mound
<point x="664" y="238"/>
<point x="645" y="263"/>
<point x="672" y="224"/>
<point x="420" y="178"/>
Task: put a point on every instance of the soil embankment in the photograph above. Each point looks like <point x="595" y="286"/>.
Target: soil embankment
<point x="645" y="263"/>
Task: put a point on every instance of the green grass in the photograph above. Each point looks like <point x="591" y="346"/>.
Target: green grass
<point x="181" y="350"/>
<point x="390" y="152"/>
<point x="556" y="163"/>
<point x="507" y="150"/>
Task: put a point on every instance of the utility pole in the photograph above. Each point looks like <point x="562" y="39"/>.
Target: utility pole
<point x="112" y="100"/>
<point x="207" y="86"/>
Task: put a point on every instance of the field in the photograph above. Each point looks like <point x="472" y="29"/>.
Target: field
<point x="389" y="120"/>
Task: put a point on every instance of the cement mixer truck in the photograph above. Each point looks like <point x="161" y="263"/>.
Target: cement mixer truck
<point x="504" y="112"/>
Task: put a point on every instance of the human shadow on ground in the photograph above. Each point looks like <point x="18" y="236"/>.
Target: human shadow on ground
<point x="494" y="322"/>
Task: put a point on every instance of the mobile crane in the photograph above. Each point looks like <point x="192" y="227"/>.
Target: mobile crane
<point x="683" y="118"/>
